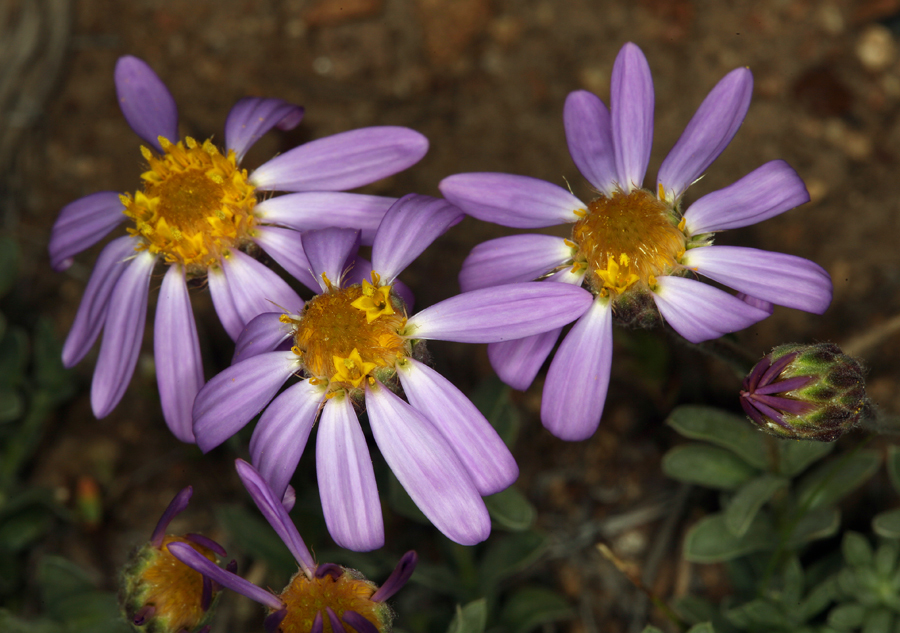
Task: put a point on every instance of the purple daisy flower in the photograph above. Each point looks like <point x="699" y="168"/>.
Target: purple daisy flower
<point x="316" y="591"/>
<point x="352" y="344"/>
<point x="197" y="214"/>
<point x="632" y="248"/>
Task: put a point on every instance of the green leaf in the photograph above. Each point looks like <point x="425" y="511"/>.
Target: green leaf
<point x="9" y="264"/>
<point x="748" y="501"/>
<point x="13" y="356"/>
<point x="817" y="599"/>
<point x="878" y="621"/>
<point x="257" y="538"/>
<point x="722" y="429"/>
<point x="795" y="456"/>
<point x="847" y="617"/>
<point x="508" y="555"/>
<point x="470" y="618"/>
<point x="531" y="607"/>
<point x="492" y="397"/>
<point x="893" y="466"/>
<point x="24" y="528"/>
<point x="12" y="405"/>
<point x="886" y="559"/>
<point x="830" y="482"/>
<point x="707" y="466"/>
<point x="887" y="524"/>
<point x="710" y="541"/>
<point x="792" y="582"/>
<point x="651" y="629"/>
<point x="511" y="510"/>
<point x="437" y="578"/>
<point x="695" y="609"/>
<point x="11" y="624"/>
<point x="818" y="524"/>
<point x="703" y="627"/>
<point x="49" y="371"/>
<point x="758" y="614"/>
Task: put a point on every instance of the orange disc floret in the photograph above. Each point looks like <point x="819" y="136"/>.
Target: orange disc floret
<point x="304" y="598"/>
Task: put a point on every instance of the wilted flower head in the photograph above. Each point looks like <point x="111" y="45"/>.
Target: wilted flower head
<point x="159" y="593"/>
<point x="198" y="213"/>
<point x="634" y="248"/>
<point x="319" y="598"/>
<point x="807" y="392"/>
<point x="352" y="344"/>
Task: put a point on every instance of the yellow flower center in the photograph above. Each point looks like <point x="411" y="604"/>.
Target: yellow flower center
<point x="196" y="204"/>
<point x="346" y="334"/>
<point x="304" y="598"/>
<point x="174" y="588"/>
<point x="627" y="239"/>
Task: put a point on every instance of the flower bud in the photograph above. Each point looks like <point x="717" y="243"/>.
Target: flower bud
<point x="809" y="392"/>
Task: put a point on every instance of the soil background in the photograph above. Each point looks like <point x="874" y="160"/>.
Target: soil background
<point x="485" y="81"/>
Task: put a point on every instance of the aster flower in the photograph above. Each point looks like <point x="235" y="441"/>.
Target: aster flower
<point x="158" y="592"/>
<point x="198" y="214"/>
<point x="632" y="248"/>
<point x="316" y="592"/>
<point x="351" y="345"/>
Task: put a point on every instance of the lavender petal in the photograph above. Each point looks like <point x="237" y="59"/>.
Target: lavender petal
<point x="512" y="259"/>
<point x="313" y="210"/>
<point x="122" y="335"/>
<point x="285" y="246"/>
<point x="347" y="487"/>
<point x="359" y="623"/>
<point x="343" y="161"/>
<point x="407" y="229"/>
<point x="206" y="542"/>
<point x="768" y="306"/>
<point x="483" y="454"/>
<point x="517" y="201"/>
<point x="700" y="312"/>
<point x="518" y="362"/>
<point x="115" y="258"/>
<point x="264" y="333"/>
<point x="233" y="397"/>
<point x="589" y="135"/>
<point x="427" y="467"/>
<point x="224" y="303"/>
<point x="147" y="104"/>
<point x="256" y="289"/>
<point x="176" y="350"/>
<point x="176" y="506"/>
<point x="503" y="313"/>
<point x="762" y="194"/>
<point x="398" y="578"/>
<point x="631" y="96"/>
<point x="707" y="135"/>
<point x="329" y="251"/>
<point x="252" y="117"/>
<point x="83" y="223"/>
<point x="578" y="378"/>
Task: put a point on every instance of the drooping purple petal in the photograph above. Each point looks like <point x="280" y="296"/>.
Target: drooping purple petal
<point x="398" y="578"/>
<point x="517" y="201"/>
<point x="81" y="224"/>
<point x="264" y="333"/>
<point x="255" y="288"/>
<point x="176" y="350"/>
<point x="503" y="313"/>
<point x="200" y="563"/>
<point x="270" y="506"/>
<point x="289" y="498"/>
<point x="115" y="258"/>
<point x="175" y="507"/>
<point x="518" y="362"/>
<point x="223" y="303"/>
<point x="281" y="434"/>
<point x="347" y="480"/>
<point x="408" y="228"/>
<point x="336" y="625"/>
<point x="782" y="279"/>
<point x="762" y="194"/>
<point x="147" y="104"/>
<point x="272" y="623"/>
<point x="343" y="161"/>
<point x="476" y="443"/>
<point x="768" y="306"/>
<point x="122" y="335"/>
<point x="700" y="312"/>
<point x="589" y="135"/>
<point x="512" y="259"/>
<point x="427" y="467"/>
<point x="708" y="134"/>
<point x="285" y="246"/>
<point x="631" y="101"/>
<point x="232" y="398"/>
<point x="578" y="378"/>
<point x="206" y="542"/>
<point x="252" y="117"/>
<point x="313" y="210"/>
<point x="359" y="623"/>
<point x="329" y="251"/>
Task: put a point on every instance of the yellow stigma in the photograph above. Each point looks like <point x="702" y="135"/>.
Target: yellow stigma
<point x="627" y="240"/>
<point x="174" y="588"/>
<point x="196" y="204"/>
<point x="342" y="336"/>
<point x="304" y="598"/>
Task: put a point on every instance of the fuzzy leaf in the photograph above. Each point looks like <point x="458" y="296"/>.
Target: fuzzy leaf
<point x="818" y="524"/>
<point x="748" y="501"/>
<point x="708" y="466"/>
<point x="887" y="524"/>
<point x="492" y="398"/>
<point x="710" y="541"/>
<point x="893" y="466"/>
<point x="470" y="618"/>
<point x="847" y="617"/>
<point x="531" y="607"/>
<point x="795" y="456"/>
<point x="511" y="510"/>
<point x="830" y="482"/>
<point x="508" y="555"/>
<point x="721" y="429"/>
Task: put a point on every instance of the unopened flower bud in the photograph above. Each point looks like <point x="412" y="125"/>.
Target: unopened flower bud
<point x="159" y="593"/>
<point x="809" y="392"/>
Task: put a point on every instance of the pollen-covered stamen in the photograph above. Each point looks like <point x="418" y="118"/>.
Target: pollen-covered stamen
<point x="196" y="204"/>
<point x="375" y="300"/>
<point x="626" y="240"/>
<point x="340" y="344"/>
